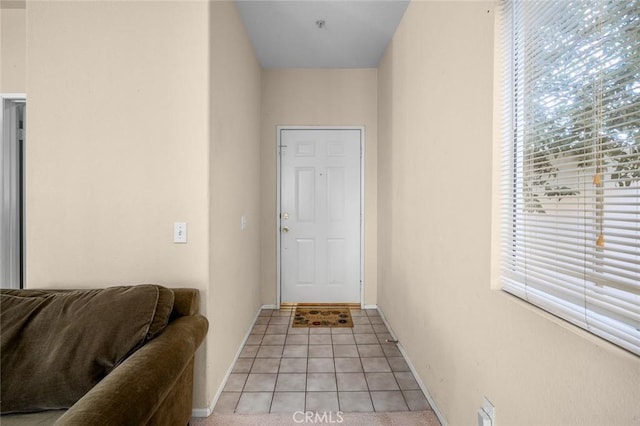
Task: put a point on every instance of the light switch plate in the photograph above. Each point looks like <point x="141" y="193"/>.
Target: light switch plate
<point x="180" y="232"/>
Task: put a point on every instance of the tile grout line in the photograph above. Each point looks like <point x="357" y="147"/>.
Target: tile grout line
<point x="390" y="368"/>
<point x="306" y="381"/>
<point x="393" y="373"/>
<point x="386" y="357"/>
<point x="275" y="384"/>
<point x="335" y="370"/>
<point x="253" y="361"/>
<point x="306" y="373"/>
<point x="363" y="372"/>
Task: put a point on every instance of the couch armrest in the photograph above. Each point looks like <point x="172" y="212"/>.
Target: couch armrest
<point x="186" y="301"/>
<point x="134" y="390"/>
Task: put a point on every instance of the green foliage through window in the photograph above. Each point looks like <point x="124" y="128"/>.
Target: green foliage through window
<point x="584" y="104"/>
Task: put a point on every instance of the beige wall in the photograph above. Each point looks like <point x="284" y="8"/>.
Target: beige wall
<point x="13" y="50"/>
<point x="317" y="97"/>
<point x="117" y="148"/>
<point x="136" y="121"/>
<point x="435" y="189"/>
<point x="234" y="160"/>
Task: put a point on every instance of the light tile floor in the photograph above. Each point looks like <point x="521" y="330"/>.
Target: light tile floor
<point x="282" y="369"/>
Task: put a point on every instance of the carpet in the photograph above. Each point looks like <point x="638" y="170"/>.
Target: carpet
<point x="322" y="316"/>
<point x="409" y="418"/>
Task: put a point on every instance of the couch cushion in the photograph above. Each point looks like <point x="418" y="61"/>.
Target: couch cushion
<point x="55" y="346"/>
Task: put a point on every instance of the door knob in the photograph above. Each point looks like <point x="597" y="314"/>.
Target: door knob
<point x="285" y="229"/>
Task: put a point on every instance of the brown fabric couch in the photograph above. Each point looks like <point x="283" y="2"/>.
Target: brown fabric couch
<point x="113" y="356"/>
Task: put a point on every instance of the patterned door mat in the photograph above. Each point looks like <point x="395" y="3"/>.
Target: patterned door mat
<point x="322" y="316"/>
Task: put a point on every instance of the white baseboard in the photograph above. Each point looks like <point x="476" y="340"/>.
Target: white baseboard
<point x="438" y="413"/>
<point x="369" y="306"/>
<point x="201" y="412"/>
<point x="206" y="412"/>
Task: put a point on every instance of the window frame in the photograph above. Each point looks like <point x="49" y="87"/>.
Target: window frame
<point x="508" y="110"/>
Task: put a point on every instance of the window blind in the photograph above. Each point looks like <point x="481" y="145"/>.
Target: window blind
<point x="570" y="165"/>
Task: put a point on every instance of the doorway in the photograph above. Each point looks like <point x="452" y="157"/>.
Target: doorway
<point x="12" y="129"/>
<point x="320" y="220"/>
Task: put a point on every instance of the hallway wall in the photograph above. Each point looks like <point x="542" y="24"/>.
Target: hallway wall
<point x="317" y="97"/>
<point x="113" y="159"/>
<point x="234" y="190"/>
<point x="435" y="211"/>
<point x="142" y="114"/>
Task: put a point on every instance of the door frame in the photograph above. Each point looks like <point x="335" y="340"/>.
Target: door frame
<point x="279" y="130"/>
<point x="14" y="158"/>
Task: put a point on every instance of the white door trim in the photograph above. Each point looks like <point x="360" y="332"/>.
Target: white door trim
<point x="278" y="223"/>
<point x="12" y="180"/>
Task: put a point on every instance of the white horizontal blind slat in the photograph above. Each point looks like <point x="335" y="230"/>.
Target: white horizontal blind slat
<point x="570" y="164"/>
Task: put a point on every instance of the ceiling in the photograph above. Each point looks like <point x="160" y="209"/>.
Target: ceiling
<point x="321" y="33"/>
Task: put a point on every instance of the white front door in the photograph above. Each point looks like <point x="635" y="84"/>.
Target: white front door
<point x="320" y="210"/>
